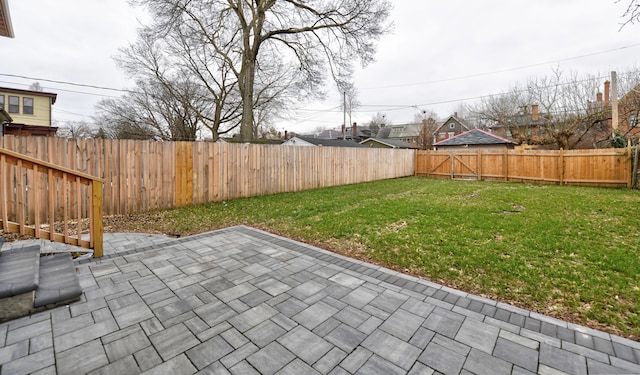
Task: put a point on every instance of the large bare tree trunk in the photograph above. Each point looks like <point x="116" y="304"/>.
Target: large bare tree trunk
<point x="248" y="74"/>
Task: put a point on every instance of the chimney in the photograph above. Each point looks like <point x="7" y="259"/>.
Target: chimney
<point x="455" y="114"/>
<point x="599" y="97"/>
<point x="286" y="135"/>
<point x="534" y="113"/>
<point x="355" y="131"/>
<point x="607" y="89"/>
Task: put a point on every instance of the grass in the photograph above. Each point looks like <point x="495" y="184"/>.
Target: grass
<point x="569" y="252"/>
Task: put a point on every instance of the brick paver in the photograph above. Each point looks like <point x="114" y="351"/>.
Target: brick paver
<point x="242" y="301"/>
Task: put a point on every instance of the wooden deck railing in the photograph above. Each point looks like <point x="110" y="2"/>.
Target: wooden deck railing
<point x="30" y="203"/>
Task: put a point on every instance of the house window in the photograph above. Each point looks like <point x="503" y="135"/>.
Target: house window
<point x="452" y="134"/>
<point x="27" y="106"/>
<point x="14" y="104"/>
<point x="633" y="121"/>
<point x="452" y="125"/>
<point x="1" y="101"/>
<point x="442" y="135"/>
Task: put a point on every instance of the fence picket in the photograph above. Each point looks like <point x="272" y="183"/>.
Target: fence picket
<point x="146" y="175"/>
<point x="607" y="167"/>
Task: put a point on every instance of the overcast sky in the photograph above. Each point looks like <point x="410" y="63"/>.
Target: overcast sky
<point x="440" y="53"/>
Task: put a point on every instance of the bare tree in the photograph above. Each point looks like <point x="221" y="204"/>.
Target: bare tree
<point x="554" y="110"/>
<point x="377" y="122"/>
<point x="632" y="13"/>
<point x="502" y="111"/>
<point x="181" y="70"/>
<point x="311" y="37"/>
<point x="629" y="105"/>
<point x="75" y="129"/>
<point x="426" y="136"/>
<point x="424" y="114"/>
<point x="36" y="86"/>
<point x="155" y="111"/>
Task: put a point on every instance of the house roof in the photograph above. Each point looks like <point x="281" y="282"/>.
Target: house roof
<point x="392" y="143"/>
<point x="361" y="132"/>
<point x="4" y="116"/>
<point x="524" y="119"/>
<point x="404" y="131"/>
<point x="458" y="120"/>
<point x="384" y="132"/>
<point x="329" y="134"/>
<point x="53" y="96"/>
<point x="474" y="137"/>
<point x="330" y="142"/>
<point x="5" y="20"/>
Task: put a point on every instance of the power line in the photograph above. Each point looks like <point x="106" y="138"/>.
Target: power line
<point x="502" y="70"/>
<point x="66" y="83"/>
<point x="63" y="90"/>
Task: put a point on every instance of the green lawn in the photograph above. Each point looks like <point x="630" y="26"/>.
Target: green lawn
<point x="569" y="252"/>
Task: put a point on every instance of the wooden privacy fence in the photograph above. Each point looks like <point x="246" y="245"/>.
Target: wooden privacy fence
<point x="34" y="195"/>
<point x="605" y="167"/>
<point x="147" y="175"/>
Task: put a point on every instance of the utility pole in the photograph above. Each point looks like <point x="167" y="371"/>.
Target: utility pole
<point x="344" y="116"/>
<point x="614" y="104"/>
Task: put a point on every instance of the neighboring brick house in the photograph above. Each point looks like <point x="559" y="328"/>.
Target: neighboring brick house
<point x="595" y="131"/>
<point x="525" y="126"/>
<point x="26" y="112"/>
<point x="628" y="113"/>
<point x="600" y="129"/>
<point x="452" y="127"/>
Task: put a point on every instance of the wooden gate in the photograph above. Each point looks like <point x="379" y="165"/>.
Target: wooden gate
<point x="448" y="165"/>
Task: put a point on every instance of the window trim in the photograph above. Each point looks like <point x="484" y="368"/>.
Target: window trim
<point x="1" y="101"/>
<point x="10" y="110"/>
<point x="24" y="105"/>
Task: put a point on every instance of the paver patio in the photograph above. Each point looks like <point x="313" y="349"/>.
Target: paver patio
<point x="242" y="301"/>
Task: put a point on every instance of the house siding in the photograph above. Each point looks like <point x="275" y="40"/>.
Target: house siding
<point x="42" y="103"/>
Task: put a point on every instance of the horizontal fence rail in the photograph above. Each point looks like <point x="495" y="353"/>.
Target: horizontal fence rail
<point x="605" y="167"/>
<point x="147" y="175"/>
<point x="48" y="201"/>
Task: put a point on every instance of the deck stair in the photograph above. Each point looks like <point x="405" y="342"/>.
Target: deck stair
<point x="32" y="282"/>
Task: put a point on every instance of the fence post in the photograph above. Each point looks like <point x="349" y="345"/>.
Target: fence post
<point x="453" y="164"/>
<point x="630" y="155"/>
<point x="634" y="169"/>
<point x="97" y="219"/>
<point x="561" y="167"/>
<point x="479" y="165"/>
<point x="427" y="164"/>
<point x="505" y="166"/>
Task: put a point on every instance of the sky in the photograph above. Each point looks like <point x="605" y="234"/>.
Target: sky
<point x="439" y="55"/>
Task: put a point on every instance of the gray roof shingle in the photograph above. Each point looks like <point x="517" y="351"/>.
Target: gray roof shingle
<point x="474" y="137"/>
<point x="331" y="142"/>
